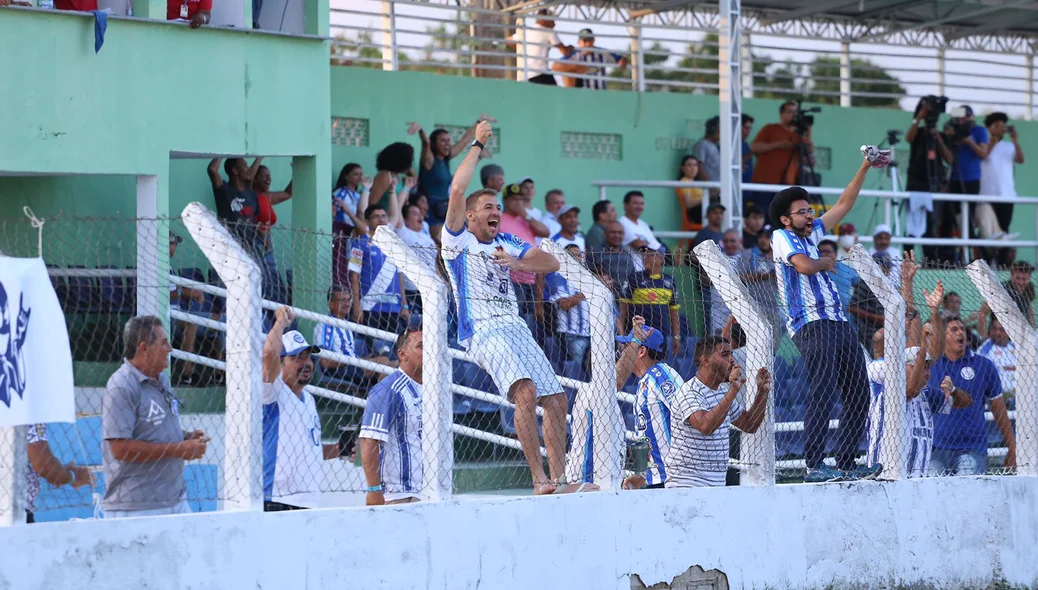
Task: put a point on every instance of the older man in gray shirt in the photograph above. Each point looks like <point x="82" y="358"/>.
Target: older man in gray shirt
<point x="144" y="447"/>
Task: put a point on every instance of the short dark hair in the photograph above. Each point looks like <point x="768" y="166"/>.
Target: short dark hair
<point x="414" y="198"/>
<point x="655" y="355"/>
<point x="396" y="157"/>
<point x="554" y="191"/>
<point x="371" y="210"/>
<point x="338" y="289"/>
<point x="471" y="200"/>
<point x="829" y="243"/>
<point x="631" y="194"/>
<point x="139" y="330"/>
<point x="706" y="347"/>
<point x="995" y="118"/>
<point x="599" y="209"/>
<point x="489" y="170"/>
<point x="781" y="203"/>
<point x="407" y="207"/>
<point x="782" y="107"/>
<point x="948" y="296"/>
<point x="746" y="119"/>
<point x="414" y="326"/>
<point x="229" y="165"/>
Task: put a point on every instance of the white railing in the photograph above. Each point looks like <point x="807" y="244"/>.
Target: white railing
<point x="891" y="210"/>
<point x="471" y="41"/>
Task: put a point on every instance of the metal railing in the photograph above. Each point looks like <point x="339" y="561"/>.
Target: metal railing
<point x="469" y="41"/>
<point x="892" y="211"/>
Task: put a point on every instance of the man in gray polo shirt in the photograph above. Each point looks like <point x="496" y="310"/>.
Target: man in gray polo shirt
<point x="144" y="447"/>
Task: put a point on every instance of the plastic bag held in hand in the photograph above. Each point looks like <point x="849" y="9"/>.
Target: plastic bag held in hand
<point x="879" y="158"/>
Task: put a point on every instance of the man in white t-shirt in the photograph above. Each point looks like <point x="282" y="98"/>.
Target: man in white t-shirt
<point x="292" y="448"/>
<point x="637" y="233"/>
<point x="532" y="46"/>
<point x="999" y="349"/>
<point x="996" y="174"/>
<point x="705" y="410"/>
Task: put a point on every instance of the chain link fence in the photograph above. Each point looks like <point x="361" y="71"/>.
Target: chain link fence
<point x="595" y="404"/>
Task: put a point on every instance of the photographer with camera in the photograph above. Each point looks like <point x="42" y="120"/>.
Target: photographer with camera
<point x="996" y="169"/>
<point x="926" y="168"/>
<point x="971" y="147"/>
<point x="782" y="149"/>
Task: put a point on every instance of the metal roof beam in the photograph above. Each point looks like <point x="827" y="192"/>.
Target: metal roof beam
<point x="810" y="9"/>
<point x="664" y="6"/>
<point x="940" y="21"/>
<point x="992" y="25"/>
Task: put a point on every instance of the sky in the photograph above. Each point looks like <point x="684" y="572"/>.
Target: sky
<point x="986" y="81"/>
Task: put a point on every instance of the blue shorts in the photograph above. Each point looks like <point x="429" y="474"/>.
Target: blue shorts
<point x="437" y="214"/>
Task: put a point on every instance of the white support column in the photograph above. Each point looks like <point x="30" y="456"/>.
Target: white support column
<point x="893" y="443"/>
<point x="437" y="400"/>
<point x="606" y="436"/>
<point x="747" y="66"/>
<point x="845" y="74"/>
<point x="152" y="294"/>
<point x="757" y="450"/>
<point x="730" y="97"/>
<point x="1026" y="339"/>
<point x="638" y="51"/>
<point x="1029" y="113"/>
<point x="13" y="451"/>
<point x="243" y="419"/>
<point x="389" y="53"/>
<point x="940" y="71"/>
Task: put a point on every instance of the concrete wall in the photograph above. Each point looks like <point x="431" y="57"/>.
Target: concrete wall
<point x="953" y="533"/>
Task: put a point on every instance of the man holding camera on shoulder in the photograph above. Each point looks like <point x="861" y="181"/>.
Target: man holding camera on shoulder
<point x="971" y="147"/>
<point x="927" y="160"/>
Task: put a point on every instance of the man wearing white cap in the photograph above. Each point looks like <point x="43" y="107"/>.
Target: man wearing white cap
<point x="881" y="245"/>
<point x="292" y="448"/>
<point x="923" y="402"/>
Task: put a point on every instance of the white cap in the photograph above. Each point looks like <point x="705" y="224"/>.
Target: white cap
<point x="293" y="343"/>
<point x="911" y="353"/>
<point x="882" y="229"/>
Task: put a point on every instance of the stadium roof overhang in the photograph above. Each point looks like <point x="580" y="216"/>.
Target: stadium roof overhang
<point x="992" y="25"/>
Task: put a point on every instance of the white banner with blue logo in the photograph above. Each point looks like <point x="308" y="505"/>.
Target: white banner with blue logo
<point x="36" y="383"/>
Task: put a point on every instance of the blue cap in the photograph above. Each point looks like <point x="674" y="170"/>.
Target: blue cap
<point x="654" y="340"/>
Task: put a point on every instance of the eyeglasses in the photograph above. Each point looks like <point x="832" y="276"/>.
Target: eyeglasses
<point x="805" y="212"/>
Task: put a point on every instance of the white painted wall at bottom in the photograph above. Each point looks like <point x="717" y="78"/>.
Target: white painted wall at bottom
<point x="952" y="532"/>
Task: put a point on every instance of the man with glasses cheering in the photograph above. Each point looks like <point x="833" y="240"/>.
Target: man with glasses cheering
<point x="819" y="327"/>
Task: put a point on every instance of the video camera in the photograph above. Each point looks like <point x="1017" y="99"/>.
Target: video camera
<point x="937" y="105"/>
<point x="803" y="120"/>
<point x="959" y="125"/>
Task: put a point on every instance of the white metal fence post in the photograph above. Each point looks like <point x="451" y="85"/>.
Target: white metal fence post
<point x="845" y="74"/>
<point x="893" y="452"/>
<point x="437" y="400"/>
<point x="757" y="450"/>
<point x="243" y="419"/>
<point x="1025" y="338"/>
<point x="13" y="452"/>
<point x="600" y="394"/>
<point x="638" y="49"/>
<point x="389" y="52"/>
<point x="729" y="63"/>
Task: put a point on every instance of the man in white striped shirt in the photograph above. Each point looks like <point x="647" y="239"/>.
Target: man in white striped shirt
<point x="705" y="410"/>
<point x="593" y="61"/>
<point x="818" y="325"/>
<point x="341" y="340"/>
<point x="391" y="429"/>
<point x="657" y="384"/>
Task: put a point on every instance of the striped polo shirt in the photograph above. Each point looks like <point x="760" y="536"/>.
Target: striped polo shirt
<point x="806" y="298"/>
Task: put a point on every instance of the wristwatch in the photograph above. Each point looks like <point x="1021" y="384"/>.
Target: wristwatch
<point x="477" y="143"/>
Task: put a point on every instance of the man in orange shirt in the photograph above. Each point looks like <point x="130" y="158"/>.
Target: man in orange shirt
<point x="777" y="147"/>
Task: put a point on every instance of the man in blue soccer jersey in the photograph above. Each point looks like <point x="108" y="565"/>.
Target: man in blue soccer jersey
<point x="573" y="312"/>
<point x="479" y="259"/>
<point x="379" y="298"/>
<point x="818" y="324"/>
<point x="391" y="429"/>
<point x="292" y="448"/>
<point x="643" y="354"/>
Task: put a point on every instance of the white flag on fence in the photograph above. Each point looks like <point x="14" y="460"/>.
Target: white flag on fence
<point x="36" y="383"/>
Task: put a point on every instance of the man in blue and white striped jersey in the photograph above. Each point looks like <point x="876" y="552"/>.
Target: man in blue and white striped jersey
<point x="657" y="383"/>
<point x="818" y="325"/>
<point x="379" y="297"/>
<point x="594" y="61"/>
<point x="391" y="429"/>
<point x="573" y="313"/>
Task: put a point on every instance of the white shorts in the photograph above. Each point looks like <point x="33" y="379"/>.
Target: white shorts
<point x="509" y="354"/>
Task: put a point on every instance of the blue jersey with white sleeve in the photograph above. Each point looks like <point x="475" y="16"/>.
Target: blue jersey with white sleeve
<point x="652" y="416"/>
<point x="806" y="298"/>
<point x="393" y="417"/>
<point x="482" y="288"/>
<point x="379" y="278"/>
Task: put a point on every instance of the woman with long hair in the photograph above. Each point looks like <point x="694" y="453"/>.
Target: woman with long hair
<point x="689" y="199"/>
<point x="349" y="200"/>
